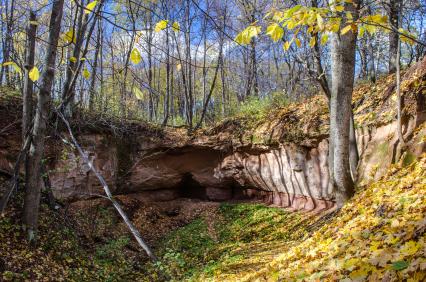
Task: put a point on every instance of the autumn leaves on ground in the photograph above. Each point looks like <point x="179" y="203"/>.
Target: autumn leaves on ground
<point x="378" y="235"/>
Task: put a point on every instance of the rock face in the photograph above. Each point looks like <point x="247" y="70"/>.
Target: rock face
<point x="145" y="170"/>
<point x="289" y="176"/>
<point x="286" y="175"/>
<point x="221" y="167"/>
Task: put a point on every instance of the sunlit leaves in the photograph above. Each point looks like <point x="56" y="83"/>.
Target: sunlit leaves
<point x="135" y="56"/>
<point x="380" y="234"/>
<point x="287" y="45"/>
<point x="406" y="36"/>
<point x="138" y="93"/>
<point x="13" y="65"/>
<point x="176" y="27"/>
<point x="161" y="25"/>
<point x="89" y="7"/>
<point x="275" y="31"/>
<point x="320" y="22"/>
<point x="86" y="73"/>
<point x="312" y="42"/>
<point x="70" y="36"/>
<point x="290" y="12"/>
<point x="324" y="39"/>
<point x="34" y="74"/>
<point x="298" y="43"/>
<point x="346" y="29"/>
<point x="338" y="8"/>
<point x="247" y="34"/>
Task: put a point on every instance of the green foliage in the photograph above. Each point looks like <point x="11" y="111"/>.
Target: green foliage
<point x="112" y="250"/>
<point x="408" y="159"/>
<point x="256" y="108"/>
<point x="185" y="249"/>
<point x="205" y="246"/>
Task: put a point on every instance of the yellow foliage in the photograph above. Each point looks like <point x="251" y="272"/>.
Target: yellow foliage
<point x="380" y="233"/>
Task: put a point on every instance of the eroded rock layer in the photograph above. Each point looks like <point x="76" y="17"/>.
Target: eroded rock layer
<point x="282" y="161"/>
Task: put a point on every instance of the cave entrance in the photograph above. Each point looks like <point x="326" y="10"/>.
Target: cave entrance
<point x="190" y="188"/>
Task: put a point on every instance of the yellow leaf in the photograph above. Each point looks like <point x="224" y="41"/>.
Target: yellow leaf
<point x="275" y="31"/>
<point x="176" y="27"/>
<point x="312" y="42"/>
<point x="34" y="74"/>
<point x="8" y="63"/>
<point x="371" y="29"/>
<point x="138" y="93"/>
<point x="86" y="74"/>
<point x="178" y="67"/>
<point x="346" y="29"/>
<point x="320" y="22"/>
<point x="135" y="56"/>
<point x="161" y="25"/>
<point x="339" y="8"/>
<point x="335" y="27"/>
<point x="409" y="248"/>
<point x="361" y="31"/>
<point x="73" y="59"/>
<point x="89" y="7"/>
<point x="70" y="36"/>
<point x="324" y="39"/>
<point x="291" y="24"/>
<point x="247" y="34"/>
<point x="359" y="274"/>
<point x="298" y="43"/>
<point x="287" y="45"/>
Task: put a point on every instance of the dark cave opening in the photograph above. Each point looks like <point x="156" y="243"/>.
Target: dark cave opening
<point x="192" y="189"/>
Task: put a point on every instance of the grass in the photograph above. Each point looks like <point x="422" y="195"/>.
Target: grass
<point x="197" y="252"/>
<point x="378" y="234"/>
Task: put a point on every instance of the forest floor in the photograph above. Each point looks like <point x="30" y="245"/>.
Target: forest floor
<point x="378" y="236"/>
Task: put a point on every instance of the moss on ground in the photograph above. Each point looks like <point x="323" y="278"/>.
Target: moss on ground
<point x="243" y="237"/>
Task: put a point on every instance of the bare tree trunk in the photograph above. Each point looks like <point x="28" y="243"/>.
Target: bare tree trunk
<point x="394" y="7"/>
<point x="68" y="90"/>
<point x="32" y="193"/>
<point x="190" y="99"/>
<point x="353" y="149"/>
<point x="207" y="100"/>
<point x="401" y="140"/>
<point x="167" y="97"/>
<point x="150" y="72"/>
<point x="8" y="43"/>
<point x="27" y="110"/>
<point x="27" y="99"/>
<point x="343" y="49"/>
<point x="95" y="66"/>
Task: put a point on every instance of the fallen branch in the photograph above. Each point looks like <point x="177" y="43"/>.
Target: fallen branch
<point x="107" y="191"/>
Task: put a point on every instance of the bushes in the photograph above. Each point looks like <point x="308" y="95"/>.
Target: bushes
<point x="258" y="108"/>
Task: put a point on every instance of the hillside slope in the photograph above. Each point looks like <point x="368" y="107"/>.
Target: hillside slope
<point x="378" y="236"/>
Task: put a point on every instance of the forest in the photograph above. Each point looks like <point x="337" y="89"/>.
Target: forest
<point x="208" y="140"/>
